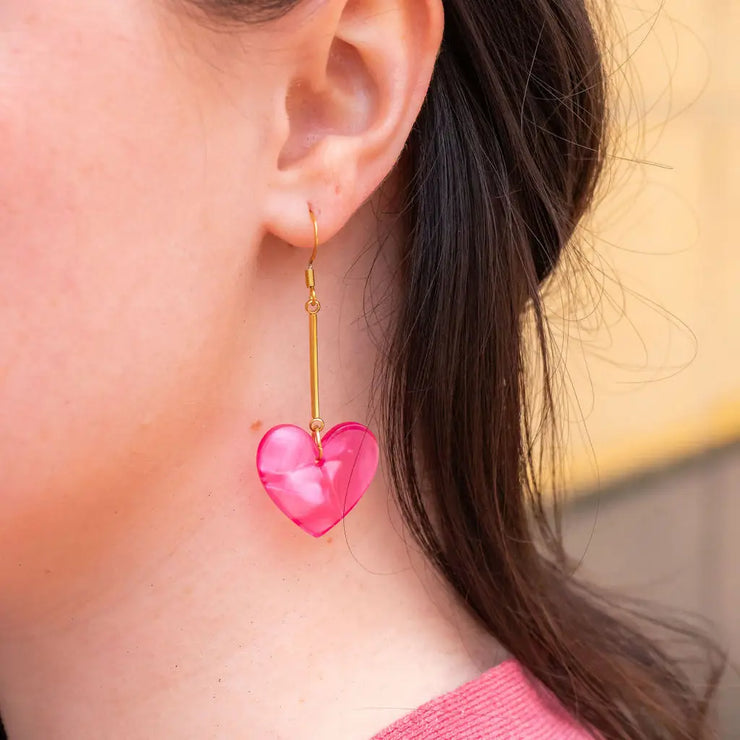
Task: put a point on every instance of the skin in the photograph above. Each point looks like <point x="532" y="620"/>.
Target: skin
<point x="154" y="229"/>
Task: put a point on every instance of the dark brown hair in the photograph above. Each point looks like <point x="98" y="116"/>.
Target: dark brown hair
<point x="508" y="147"/>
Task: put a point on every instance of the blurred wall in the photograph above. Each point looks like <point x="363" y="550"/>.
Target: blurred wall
<point x="671" y="536"/>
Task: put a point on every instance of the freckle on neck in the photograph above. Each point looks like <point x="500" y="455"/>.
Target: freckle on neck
<point x="256" y="424"/>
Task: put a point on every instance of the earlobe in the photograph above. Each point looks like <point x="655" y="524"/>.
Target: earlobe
<point x="355" y="85"/>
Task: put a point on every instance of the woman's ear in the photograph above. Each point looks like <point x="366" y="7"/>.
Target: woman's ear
<point x="357" y="77"/>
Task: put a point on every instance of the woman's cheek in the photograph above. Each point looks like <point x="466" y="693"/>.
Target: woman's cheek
<point x="101" y="279"/>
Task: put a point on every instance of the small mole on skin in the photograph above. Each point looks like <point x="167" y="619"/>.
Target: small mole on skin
<point x="256" y="425"/>
<point x="337" y="189"/>
<point x="328" y="540"/>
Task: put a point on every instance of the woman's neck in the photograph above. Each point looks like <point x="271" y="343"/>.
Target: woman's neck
<point x="214" y="616"/>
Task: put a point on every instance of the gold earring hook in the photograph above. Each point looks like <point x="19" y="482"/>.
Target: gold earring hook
<point x="315" y="237"/>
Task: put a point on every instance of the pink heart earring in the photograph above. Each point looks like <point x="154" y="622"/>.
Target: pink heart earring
<point x="316" y="482"/>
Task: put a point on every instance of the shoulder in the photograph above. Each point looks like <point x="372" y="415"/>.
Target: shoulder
<point x="503" y="702"/>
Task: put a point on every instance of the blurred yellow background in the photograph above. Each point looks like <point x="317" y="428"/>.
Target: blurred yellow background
<point x="649" y="325"/>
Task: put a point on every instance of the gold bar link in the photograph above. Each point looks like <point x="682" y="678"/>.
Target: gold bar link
<point x="313" y="321"/>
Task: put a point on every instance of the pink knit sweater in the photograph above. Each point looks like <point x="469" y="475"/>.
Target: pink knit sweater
<point x="500" y="704"/>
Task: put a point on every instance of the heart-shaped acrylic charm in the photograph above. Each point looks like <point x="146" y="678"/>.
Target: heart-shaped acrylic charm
<point x="317" y="495"/>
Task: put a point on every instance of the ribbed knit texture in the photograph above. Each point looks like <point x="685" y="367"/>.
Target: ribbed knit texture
<point x="500" y="704"/>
